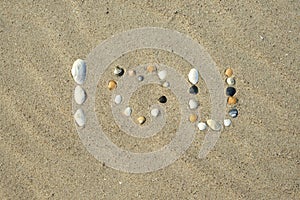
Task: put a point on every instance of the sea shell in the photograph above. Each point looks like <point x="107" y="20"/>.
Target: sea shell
<point x="141" y="120"/>
<point x="162" y="74"/>
<point x="154" y="112"/>
<point x="127" y="111"/>
<point x="214" y="125"/>
<point x="233" y="113"/>
<point x="79" y="95"/>
<point x="230" y="81"/>
<point x="79" y="117"/>
<point x="79" y="71"/>
<point x="162" y="99"/>
<point x="231" y="100"/>
<point x="193" y="76"/>
<point x="193" y="104"/>
<point x="151" y="68"/>
<point x="193" y="89"/>
<point x="202" y="126"/>
<point x="118" y="71"/>
<point x="118" y="99"/>
<point x="230" y="91"/>
<point x="140" y="78"/>
<point x="227" y="122"/>
<point x="193" y="117"/>
<point x="228" y="72"/>
<point x="112" y="85"/>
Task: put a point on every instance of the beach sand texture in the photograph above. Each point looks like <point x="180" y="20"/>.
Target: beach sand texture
<point x="41" y="154"/>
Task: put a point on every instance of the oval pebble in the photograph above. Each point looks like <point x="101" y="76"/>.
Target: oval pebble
<point x="193" y="104"/>
<point x="79" y="71"/>
<point x="162" y="99"/>
<point x="127" y="111"/>
<point x="230" y="91"/>
<point x="79" y="117"/>
<point x="118" y="99"/>
<point x="227" y="122"/>
<point x="79" y="95"/>
<point x="214" y="125"/>
<point x="154" y="112"/>
<point x="230" y="81"/>
<point x="112" y="85"/>
<point x="232" y="100"/>
<point x="233" y="113"/>
<point x="193" y="117"/>
<point x="162" y="74"/>
<point x="193" y="76"/>
<point x="193" y="89"/>
<point x="151" y="68"/>
<point x="202" y="126"/>
<point x="140" y="78"/>
<point x="141" y="120"/>
<point x="118" y="71"/>
<point x="131" y="73"/>
<point x="166" y="84"/>
<point x="228" y="72"/>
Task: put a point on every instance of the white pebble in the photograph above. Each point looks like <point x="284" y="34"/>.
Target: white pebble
<point x="230" y="81"/>
<point x="214" y="125"/>
<point x="79" y="95"/>
<point x="79" y="117"/>
<point x="202" y="126"/>
<point x="118" y="99"/>
<point x="162" y="74"/>
<point x="127" y="111"/>
<point x="166" y="84"/>
<point x="193" y="104"/>
<point x="79" y="71"/>
<point x="154" y="112"/>
<point x="227" y="122"/>
<point x="193" y="76"/>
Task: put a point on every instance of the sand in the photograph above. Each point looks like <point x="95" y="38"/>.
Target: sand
<point x="41" y="154"/>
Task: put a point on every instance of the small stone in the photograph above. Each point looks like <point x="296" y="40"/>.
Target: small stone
<point x="227" y="122"/>
<point x="231" y="100"/>
<point x="131" y="73"/>
<point x="151" y="68"/>
<point x="230" y="91"/>
<point x="233" y="113"/>
<point x="202" y="126"/>
<point x="193" y="76"/>
<point x="162" y="74"/>
<point x="79" y="117"/>
<point x="127" y="111"/>
<point x="118" y="71"/>
<point x="112" y="85"/>
<point x="118" y="99"/>
<point x="162" y="99"/>
<point x="154" y="112"/>
<point x="141" y="120"/>
<point x="79" y="95"/>
<point x="230" y="81"/>
<point x="193" y="89"/>
<point x="79" y="71"/>
<point x="214" y="125"/>
<point x="166" y="84"/>
<point x="193" y="104"/>
<point x="193" y="118"/>
<point x="228" y="72"/>
<point x="140" y="78"/>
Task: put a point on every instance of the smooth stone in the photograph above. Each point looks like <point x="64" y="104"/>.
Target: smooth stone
<point x="154" y="112"/>
<point x="193" y="89"/>
<point x="79" y="95"/>
<point x="232" y="100"/>
<point x="227" y="122"/>
<point x="79" y="71"/>
<point x="118" y="99"/>
<point x="166" y="84"/>
<point x="162" y="74"/>
<point x="162" y="99"/>
<point x="79" y="117"/>
<point x="228" y="72"/>
<point x="112" y="85"/>
<point x="230" y="91"/>
<point x="233" y="113"/>
<point x="193" y="76"/>
<point x="118" y="71"/>
<point x="202" y="126"/>
<point x="140" y="78"/>
<point x="141" y="120"/>
<point x="193" y="118"/>
<point x="214" y="125"/>
<point x="193" y="104"/>
<point x="230" y="81"/>
<point x="127" y="111"/>
<point x="151" y="68"/>
<point x="131" y="73"/>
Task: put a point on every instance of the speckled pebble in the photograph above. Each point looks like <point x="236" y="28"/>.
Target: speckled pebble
<point x="193" y="89"/>
<point x="233" y="113"/>
<point x="202" y="126"/>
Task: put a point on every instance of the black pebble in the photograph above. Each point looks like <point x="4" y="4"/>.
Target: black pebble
<point x="233" y="113"/>
<point x="193" y="89"/>
<point x="162" y="99"/>
<point x="230" y="91"/>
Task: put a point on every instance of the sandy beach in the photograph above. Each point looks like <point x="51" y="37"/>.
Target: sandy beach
<point x="41" y="154"/>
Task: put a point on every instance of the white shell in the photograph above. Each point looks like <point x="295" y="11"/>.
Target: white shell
<point x="79" y="117"/>
<point x="193" y="104"/>
<point x="127" y="111"/>
<point x="79" y="95"/>
<point x="79" y="71"/>
<point x="166" y="84"/>
<point x="202" y="126"/>
<point x="118" y="99"/>
<point x="227" y="122"/>
<point x="193" y="76"/>
<point x="214" y="125"/>
<point x="162" y="74"/>
<point x="230" y="81"/>
<point x="154" y="112"/>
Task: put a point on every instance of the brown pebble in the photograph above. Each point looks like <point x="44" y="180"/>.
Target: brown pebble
<point x="141" y="120"/>
<point x="228" y="72"/>
<point x="231" y="100"/>
<point x="112" y="85"/>
<point x="151" y="68"/>
<point x="193" y="118"/>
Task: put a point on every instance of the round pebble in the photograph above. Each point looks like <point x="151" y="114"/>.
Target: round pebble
<point x="118" y="71"/>
<point x="231" y="100"/>
<point x="230" y="81"/>
<point x="230" y="91"/>
<point x="214" y="125"/>
<point x="154" y="112"/>
<point x="118" y="99"/>
<point x="193" y="104"/>
<point x="202" y="126"/>
<point x="140" y="78"/>
<point x="193" y="118"/>
<point x="233" y="113"/>
<point x="166" y="84"/>
<point x="193" y="89"/>
<point x="112" y="85"/>
<point x="131" y="73"/>
<point x="228" y="72"/>
<point x="79" y="117"/>
<point x="227" y="122"/>
<point x="162" y="74"/>
<point x="151" y="68"/>
<point x="162" y="99"/>
<point x="127" y="111"/>
<point x="141" y="120"/>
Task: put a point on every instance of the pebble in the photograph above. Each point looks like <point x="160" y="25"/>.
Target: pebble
<point x="151" y="68"/>
<point x="79" y="117"/>
<point x="79" y="95"/>
<point x="227" y="122"/>
<point x="127" y="111"/>
<point x="228" y="72"/>
<point x="202" y="126"/>
<point x="131" y="73"/>
<point x="118" y="71"/>
<point x="230" y="91"/>
<point x="193" y="104"/>
<point x="193" y="76"/>
<point x="118" y="99"/>
<point x="140" y="78"/>
<point x="112" y="85"/>
<point x="233" y="113"/>
<point x="166" y="84"/>
<point x="231" y="100"/>
<point x="162" y="99"/>
<point x="193" y="118"/>
<point x="79" y="71"/>
<point x="162" y="74"/>
<point x="230" y="81"/>
<point x="214" y="125"/>
<point x="141" y="120"/>
<point x="154" y="112"/>
<point x="193" y="89"/>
